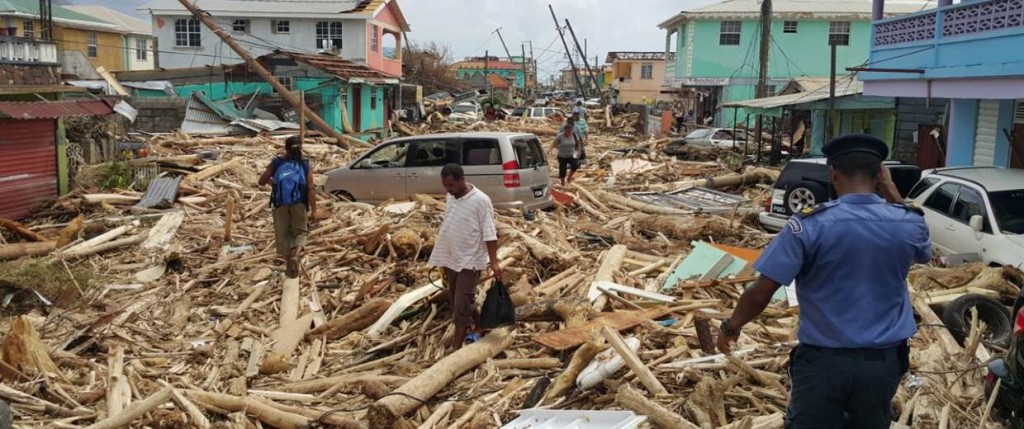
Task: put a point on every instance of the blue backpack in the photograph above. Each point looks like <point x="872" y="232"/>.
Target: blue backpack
<point x="289" y="183"/>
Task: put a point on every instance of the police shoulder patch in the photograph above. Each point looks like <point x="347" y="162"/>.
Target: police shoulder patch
<point x="795" y="225"/>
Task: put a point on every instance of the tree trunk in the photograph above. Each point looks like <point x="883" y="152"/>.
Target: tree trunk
<point x="611" y="263"/>
<point x="355" y="320"/>
<point x="573" y="311"/>
<point x="681" y="228"/>
<point x="631" y="399"/>
<point x="386" y="411"/>
<point x="19" y="250"/>
<point x="566" y="381"/>
<point x="21" y="230"/>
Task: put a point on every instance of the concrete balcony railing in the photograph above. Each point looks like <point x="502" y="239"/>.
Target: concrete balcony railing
<point x="18" y="50"/>
<point x="971" y="39"/>
<point x="974" y="19"/>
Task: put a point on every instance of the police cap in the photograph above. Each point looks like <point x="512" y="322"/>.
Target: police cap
<point x="855" y="143"/>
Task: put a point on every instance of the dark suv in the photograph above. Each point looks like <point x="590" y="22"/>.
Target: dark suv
<point x="806" y="182"/>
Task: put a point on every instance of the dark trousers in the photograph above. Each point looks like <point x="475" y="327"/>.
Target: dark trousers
<point x="462" y="296"/>
<point x="844" y="388"/>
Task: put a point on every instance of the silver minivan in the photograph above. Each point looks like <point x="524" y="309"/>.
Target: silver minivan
<point x="509" y="167"/>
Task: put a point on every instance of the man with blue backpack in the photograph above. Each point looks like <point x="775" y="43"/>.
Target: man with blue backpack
<point x="292" y="196"/>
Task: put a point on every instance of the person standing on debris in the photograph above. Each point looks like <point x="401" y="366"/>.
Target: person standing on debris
<point x="850" y="258"/>
<point x="292" y="195"/>
<point x="581" y="129"/>
<point x="567" y="145"/>
<point x="467" y="241"/>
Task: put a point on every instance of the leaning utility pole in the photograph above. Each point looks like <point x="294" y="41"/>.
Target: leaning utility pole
<point x="343" y="140"/>
<point x="509" y="54"/>
<point x="526" y="76"/>
<point x="829" y="131"/>
<point x="762" y="71"/>
<point x="586" y="63"/>
<point x="568" y="53"/>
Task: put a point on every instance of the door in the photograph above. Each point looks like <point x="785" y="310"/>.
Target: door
<point x="931" y="148"/>
<point x="962" y="239"/>
<point x="481" y="160"/>
<point x="936" y="213"/>
<point x="534" y="175"/>
<point x="380" y="175"/>
<point x="1017" y="138"/>
<point x="357" y="108"/>
<point x="426" y="158"/>
<point x="985" y="134"/>
<point x="28" y="165"/>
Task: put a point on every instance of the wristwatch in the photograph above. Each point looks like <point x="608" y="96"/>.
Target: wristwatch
<point x="727" y="331"/>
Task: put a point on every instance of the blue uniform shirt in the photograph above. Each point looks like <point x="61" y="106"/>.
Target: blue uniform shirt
<point x="850" y="260"/>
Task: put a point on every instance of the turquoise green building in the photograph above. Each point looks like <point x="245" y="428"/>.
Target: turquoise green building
<point x="717" y="48"/>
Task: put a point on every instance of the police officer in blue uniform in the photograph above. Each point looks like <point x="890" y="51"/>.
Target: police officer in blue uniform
<point x="849" y="258"/>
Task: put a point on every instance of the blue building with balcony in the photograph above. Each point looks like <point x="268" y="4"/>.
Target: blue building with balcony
<point x="971" y="53"/>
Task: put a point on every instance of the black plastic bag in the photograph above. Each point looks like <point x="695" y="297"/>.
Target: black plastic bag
<point x="498" y="309"/>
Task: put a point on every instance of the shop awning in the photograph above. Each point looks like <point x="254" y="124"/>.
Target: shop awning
<point x="849" y="96"/>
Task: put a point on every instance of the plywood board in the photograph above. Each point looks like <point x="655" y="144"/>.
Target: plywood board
<point x="619" y="321"/>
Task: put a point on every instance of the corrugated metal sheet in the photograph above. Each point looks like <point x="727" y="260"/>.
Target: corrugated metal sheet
<point x="1018" y="115"/>
<point x="332" y="64"/>
<point x="845" y="86"/>
<point x="985" y="133"/>
<point x="575" y="419"/>
<point x="28" y="165"/>
<point x="53" y="109"/>
<point x="201" y="119"/>
<point x="282" y="8"/>
<point x="696" y="198"/>
<point x="161" y="193"/>
<point x="802" y="9"/>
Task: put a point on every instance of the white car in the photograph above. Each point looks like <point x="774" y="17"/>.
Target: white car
<point x="466" y="111"/>
<point x="974" y="211"/>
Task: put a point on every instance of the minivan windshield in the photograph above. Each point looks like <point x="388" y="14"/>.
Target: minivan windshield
<point x="464" y="108"/>
<point x="699" y="134"/>
<point x="1008" y="209"/>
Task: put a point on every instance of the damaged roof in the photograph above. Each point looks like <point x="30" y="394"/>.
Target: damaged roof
<point x="800" y="9"/>
<point x="53" y="109"/>
<point x="328" y="63"/>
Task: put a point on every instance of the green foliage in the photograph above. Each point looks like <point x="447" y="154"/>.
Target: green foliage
<point x="48" y="277"/>
<point x="117" y="175"/>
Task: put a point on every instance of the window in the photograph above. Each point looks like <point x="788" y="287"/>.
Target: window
<point x="186" y="33"/>
<point x="390" y="156"/>
<point x="373" y="101"/>
<point x="328" y="33"/>
<point x="1008" y="209"/>
<point x="481" y="152"/>
<point x="647" y="71"/>
<point x="433" y="153"/>
<point x="281" y="27"/>
<point x="770" y="90"/>
<point x="942" y="199"/>
<point x="921" y="186"/>
<point x="729" y="33"/>
<point x="789" y="27"/>
<point x="969" y="204"/>
<point x="286" y="81"/>
<point x="141" y="49"/>
<point x="374" y="38"/>
<point x="839" y="33"/>
<point x="528" y="153"/>
<point x="240" y="25"/>
<point x="91" y="44"/>
<point x="29" y="29"/>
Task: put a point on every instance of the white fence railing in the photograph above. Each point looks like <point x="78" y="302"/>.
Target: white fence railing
<point x="19" y="50"/>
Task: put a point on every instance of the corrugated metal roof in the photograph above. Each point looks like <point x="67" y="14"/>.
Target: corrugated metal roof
<point x="339" y="67"/>
<point x="846" y="85"/>
<point x="282" y="8"/>
<point x="28" y="166"/>
<point x="696" y="198"/>
<point x="128" y="24"/>
<point x="53" y="109"/>
<point x="805" y="9"/>
<point x="161" y="193"/>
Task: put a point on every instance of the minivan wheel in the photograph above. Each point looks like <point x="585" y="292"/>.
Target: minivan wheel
<point x="806" y="194"/>
<point x="343" y="195"/>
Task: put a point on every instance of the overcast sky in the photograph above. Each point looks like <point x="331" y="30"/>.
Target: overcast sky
<point x="467" y="26"/>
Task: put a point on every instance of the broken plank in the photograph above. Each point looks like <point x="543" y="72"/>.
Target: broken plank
<point x="633" y="361"/>
<point x="406" y="300"/>
<point x="289" y="301"/>
<point x="161" y="235"/>
<point x="287" y="337"/>
<point x="619" y="321"/>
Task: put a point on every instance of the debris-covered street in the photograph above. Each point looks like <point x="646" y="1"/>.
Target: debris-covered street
<point x="144" y="283"/>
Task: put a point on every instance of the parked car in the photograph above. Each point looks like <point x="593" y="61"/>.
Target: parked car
<point x="806" y="182"/>
<point x="593" y="103"/>
<point x="723" y="138"/>
<point x="466" y="111"/>
<point x="536" y="113"/>
<point x="511" y="168"/>
<point x="975" y="211"/>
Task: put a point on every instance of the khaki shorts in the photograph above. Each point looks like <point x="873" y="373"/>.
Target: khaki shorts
<point x="290" y="227"/>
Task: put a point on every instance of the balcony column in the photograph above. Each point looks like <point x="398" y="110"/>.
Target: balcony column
<point x="878" y="9"/>
<point x="944" y="3"/>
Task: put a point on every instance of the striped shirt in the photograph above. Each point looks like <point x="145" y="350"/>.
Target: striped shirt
<point x="468" y="224"/>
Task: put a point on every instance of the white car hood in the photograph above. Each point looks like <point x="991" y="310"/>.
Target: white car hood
<point x="1018" y="240"/>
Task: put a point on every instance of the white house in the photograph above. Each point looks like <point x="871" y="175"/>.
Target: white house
<point x="137" y="35"/>
<point x="362" y="31"/>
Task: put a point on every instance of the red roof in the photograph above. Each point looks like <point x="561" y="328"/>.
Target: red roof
<point x="497" y="81"/>
<point x="53" y="109"/>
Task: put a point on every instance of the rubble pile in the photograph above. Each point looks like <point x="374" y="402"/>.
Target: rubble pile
<point x="190" y="322"/>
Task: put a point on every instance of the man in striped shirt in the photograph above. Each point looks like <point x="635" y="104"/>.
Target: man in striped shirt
<point x="466" y="243"/>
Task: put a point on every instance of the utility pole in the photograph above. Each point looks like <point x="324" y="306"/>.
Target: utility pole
<point x="568" y="53"/>
<point x="586" y="63"/>
<point x="526" y="76"/>
<point x="762" y="72"/>
<point x="343" y="140"/>
<point x="487" y="72"/>
<point x="829" y="132"/>
<point x="46" y="19"/>
<point x="507" y="53"/>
